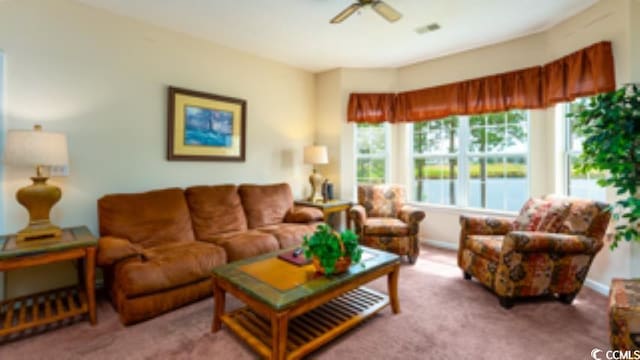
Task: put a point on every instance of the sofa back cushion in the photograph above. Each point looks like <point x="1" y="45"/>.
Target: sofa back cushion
<point x="381" y="200"/>
<point x="215" y="210"/>
<point x="265" y="204"/>
<point x="148" y="219"/>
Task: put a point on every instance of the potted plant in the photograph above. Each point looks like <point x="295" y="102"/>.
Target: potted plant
<point x="610" y="124"/>
<point x="332" y="253"/>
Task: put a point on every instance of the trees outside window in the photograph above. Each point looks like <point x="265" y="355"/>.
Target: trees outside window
<point x="579" y="184"/>
<point x="372" y="145"/>
<point x="490" y="171"/>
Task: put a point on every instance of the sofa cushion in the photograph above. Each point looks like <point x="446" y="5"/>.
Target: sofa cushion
<point x="290" y="235"/>
<point x="486" y="246"/>
<point x="245" y="244"/>
<point x="148" y="219"/>
<point x="215" y="210"/>
<point x="167" y="267"/>
<point x="385" y="226"/>
<point x="265" y="204"/>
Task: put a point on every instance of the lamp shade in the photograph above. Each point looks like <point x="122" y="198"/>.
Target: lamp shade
<point x="315" y="155"/>
<point x="35" y="148"/>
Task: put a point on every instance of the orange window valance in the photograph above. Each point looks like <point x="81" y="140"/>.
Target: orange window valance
<point x="585" y="72"/>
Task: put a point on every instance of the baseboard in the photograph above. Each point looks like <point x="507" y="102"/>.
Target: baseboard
<point x="591" y="284"/>
<point x="441" y="244"/>
<point x="597" y="287"/>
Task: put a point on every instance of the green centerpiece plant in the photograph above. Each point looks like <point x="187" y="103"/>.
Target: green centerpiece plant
<point x="610" y="124"/>
<point x="332" y="252"/>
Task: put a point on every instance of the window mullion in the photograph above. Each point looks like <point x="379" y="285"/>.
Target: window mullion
<point x="463" y="162"/>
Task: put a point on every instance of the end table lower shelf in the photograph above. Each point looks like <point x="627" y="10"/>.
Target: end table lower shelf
<point x="32" y="311"/>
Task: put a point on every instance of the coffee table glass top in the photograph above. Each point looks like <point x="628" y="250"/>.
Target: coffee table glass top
<point x="74" y="237"/>
<point x="280" y="284"/>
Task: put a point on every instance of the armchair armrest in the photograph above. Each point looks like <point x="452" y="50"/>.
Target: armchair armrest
<point x="483" y="225"/>
<point x="533" y="241"/>
<point x="411" y="215"/>
<point x="303" y="214"/>
<point x="358" y="214"/>
<point x="112" y="249"/>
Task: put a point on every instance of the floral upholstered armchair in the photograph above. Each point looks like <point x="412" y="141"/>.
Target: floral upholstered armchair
<point x="383" y="221"/>
<point x="547" y="250"/>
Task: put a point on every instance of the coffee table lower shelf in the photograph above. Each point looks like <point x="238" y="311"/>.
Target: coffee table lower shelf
<point x="309" y="330"/>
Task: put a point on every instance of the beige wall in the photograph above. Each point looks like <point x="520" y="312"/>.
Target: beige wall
<point x="102" y="79"/>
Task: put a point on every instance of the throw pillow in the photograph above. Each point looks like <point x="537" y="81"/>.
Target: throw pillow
<point x="531" y="214"/>
<point x="554" y="216"/>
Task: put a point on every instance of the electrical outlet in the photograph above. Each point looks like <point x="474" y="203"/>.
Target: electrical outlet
<point x="58" y="170"/>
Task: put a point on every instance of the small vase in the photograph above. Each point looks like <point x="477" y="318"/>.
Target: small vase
<point x="342" y="265"/>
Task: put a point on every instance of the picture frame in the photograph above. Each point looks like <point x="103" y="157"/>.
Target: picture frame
<point x="205" y="127"/>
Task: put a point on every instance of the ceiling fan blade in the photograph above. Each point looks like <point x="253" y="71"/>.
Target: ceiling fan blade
<point x="345" y="13"/>
<point x="386" y="11"/>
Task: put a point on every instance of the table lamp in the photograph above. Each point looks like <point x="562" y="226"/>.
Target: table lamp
<point x="316" y="155"/>
<point x="37" y="148"/>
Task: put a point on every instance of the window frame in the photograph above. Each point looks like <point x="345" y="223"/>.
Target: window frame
<point x="463" y="157"/>
<point x="386" y="156"/>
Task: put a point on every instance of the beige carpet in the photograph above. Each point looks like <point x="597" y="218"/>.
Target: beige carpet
<point x="443" y="317"/>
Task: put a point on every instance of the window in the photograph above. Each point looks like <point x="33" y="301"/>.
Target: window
<point x="372" y="144"/>
<point x="579" y="184"/>
<point x="435" y="160"/>
<point x="489" y="169"/>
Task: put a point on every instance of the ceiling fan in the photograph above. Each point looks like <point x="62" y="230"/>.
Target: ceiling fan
<point x="384" y="10"/>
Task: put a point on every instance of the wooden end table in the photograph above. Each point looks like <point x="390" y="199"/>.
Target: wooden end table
<point x="26" y="312"/>
<point x="291" y="310"/>
<point x="330" y="207"/>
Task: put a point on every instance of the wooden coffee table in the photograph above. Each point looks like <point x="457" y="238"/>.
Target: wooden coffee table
<point x="292" y="310"/>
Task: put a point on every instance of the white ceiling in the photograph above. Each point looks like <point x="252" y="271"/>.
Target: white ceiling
<point x="297" y="32"/>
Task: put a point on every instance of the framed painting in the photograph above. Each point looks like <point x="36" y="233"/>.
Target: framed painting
<point x="205" y="126"/>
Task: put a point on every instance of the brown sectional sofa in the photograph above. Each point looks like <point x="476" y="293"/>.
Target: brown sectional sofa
<point x="157" y="248"/>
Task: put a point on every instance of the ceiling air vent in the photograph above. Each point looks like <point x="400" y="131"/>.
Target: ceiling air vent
<point x="427" y="28"/>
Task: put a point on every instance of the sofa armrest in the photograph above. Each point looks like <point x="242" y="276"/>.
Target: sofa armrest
<point x="411" y="215"/>
<point x="303" y="214"/>
<point x="533" y="241"/>
<point x="483" y="225"/>
<point x="112" y="249"/>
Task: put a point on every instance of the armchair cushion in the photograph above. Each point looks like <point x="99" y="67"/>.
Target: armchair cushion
<point x="303" y="214"/>
<point x="487" y="246"/>
<point x="381" y="200"/>
<point x="528" y="242"/>
<point x="530" y="215"/>
<point x="112" y="249"/>
<point x="385" y="226"/>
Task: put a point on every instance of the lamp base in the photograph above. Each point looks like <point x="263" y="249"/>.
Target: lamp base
<point x="38" y="198"/>
<point x="315" y="179"/>
<point x="42" y="231"/>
